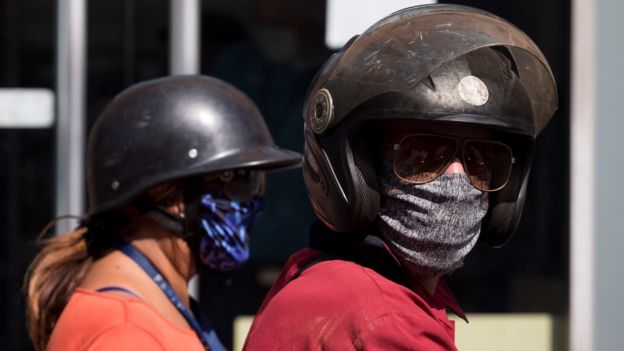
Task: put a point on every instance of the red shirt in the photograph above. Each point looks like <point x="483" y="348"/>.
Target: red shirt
<point x="341" y="305"/>
<point x="98" y="321"/>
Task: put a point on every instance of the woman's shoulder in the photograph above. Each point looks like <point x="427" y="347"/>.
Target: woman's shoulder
<point x="96" y="320"/>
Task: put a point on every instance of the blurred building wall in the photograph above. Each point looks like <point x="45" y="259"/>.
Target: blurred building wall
<point x="597" y="276"/>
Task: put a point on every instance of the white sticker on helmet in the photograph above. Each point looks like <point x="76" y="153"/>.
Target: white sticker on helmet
<point x="473" y="90"/>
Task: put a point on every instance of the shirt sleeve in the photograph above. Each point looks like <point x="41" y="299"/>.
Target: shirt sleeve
<point x="403" y="332"/>
<point x="125" y="337"/>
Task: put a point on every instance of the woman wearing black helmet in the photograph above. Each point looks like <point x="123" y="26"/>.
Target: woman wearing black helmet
<point x="419" y="137"/>
<point x="176" y="170"/>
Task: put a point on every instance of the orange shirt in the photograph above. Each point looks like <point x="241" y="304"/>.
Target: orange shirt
<point x="98" y="321"/>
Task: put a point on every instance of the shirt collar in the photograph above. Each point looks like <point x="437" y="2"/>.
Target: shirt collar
<point x="362" y="249"/>
<point x="445" y="298"/>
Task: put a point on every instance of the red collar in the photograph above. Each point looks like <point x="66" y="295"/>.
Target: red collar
<point x="442" y="296"/>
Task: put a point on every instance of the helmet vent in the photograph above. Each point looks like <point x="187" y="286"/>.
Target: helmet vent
<point x="513" y="68"/>
<point x="428" y="82"/>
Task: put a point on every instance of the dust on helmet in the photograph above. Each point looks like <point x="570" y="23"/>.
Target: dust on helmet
<point x="409" y="67"/>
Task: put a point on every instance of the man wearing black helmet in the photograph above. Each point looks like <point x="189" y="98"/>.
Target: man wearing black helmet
<point x="419" y="137"/>
<point x="175" y="172"/>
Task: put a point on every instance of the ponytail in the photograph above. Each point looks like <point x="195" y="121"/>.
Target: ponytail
<point x="64" y="261"/>
<point x="51" y="279"/>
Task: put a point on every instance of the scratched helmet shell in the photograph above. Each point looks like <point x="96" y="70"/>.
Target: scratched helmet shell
<point x="433" y="64"/>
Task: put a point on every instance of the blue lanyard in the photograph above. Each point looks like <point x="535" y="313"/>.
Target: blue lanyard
<point x="205" y="333"/>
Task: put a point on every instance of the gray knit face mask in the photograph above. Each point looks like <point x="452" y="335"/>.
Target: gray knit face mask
<point x="430" y="227"/>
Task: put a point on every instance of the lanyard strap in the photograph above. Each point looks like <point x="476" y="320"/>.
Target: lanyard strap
<point x="206" y="334"/>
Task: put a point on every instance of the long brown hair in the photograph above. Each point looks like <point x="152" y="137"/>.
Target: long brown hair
<point x="51" y="279"/>
<point x="65" y="259"/>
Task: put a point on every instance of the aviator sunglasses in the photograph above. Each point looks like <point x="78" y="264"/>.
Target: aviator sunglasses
<point x="421" y="158"/>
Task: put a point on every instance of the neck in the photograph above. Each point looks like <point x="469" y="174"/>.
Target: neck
<point x="430" y="284"/>
<point x="169" y="254"/>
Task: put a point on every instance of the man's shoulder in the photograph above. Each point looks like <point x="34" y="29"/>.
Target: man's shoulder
<point x="337" y="303"/>
<point x="309" y="269"/>
<point x="346" y="275"/>
<point x="327" y="285"/>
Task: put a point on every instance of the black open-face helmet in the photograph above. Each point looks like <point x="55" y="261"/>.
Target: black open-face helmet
<point x="434" y="65"/>
<point x="175" y="128"/>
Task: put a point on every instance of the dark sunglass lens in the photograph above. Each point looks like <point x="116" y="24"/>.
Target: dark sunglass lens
<point x="488" y="164"/>
<point x="244" y="185"/>
<point x="421" y="158"/>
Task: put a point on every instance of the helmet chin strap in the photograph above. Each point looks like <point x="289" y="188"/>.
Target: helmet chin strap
<point x="167" y="220"/>
<point x="182" y="224"/>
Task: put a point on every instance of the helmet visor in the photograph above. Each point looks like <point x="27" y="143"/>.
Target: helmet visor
<point x="399" y="52"/>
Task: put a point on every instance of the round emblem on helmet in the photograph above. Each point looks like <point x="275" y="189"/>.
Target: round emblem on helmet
<point x="473" y="90"/>
<point x="321" y="112"/>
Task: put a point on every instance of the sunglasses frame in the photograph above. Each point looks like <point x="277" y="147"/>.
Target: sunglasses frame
<point x="228" y="176"/>
<point x="459" y="145"/>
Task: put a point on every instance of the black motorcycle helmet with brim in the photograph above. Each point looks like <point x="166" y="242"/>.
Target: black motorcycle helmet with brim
<point x="172" y="128"/>
<point x="409" y="67"/>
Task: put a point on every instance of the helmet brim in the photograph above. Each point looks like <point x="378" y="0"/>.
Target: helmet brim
<point x="265" y="158"/>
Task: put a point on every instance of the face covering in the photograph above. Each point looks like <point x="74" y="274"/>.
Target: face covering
<point x="224" y="230"/>
<point x="430" y="227"/>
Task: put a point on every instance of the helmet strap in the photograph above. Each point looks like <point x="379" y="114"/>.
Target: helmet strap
<point x="175" y="224"/>
<point x="179" y="224"/>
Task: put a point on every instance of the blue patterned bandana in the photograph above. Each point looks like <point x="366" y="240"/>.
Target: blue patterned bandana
<point x="224" y="227"/>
